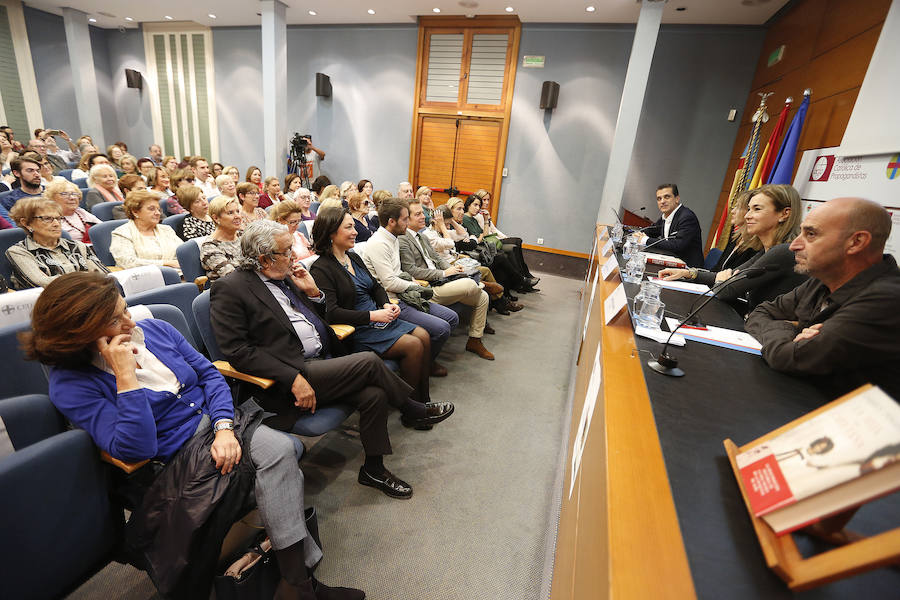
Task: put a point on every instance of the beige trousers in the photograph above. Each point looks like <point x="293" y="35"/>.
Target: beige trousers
<point x="467" y="292"/>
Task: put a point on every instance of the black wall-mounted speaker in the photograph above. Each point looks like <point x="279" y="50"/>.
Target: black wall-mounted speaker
<point x="323" y="85"/>
<point x="549" y="95"/>
<point x="133" y="79"/>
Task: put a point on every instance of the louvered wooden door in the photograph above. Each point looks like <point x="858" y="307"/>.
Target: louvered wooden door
<point x="457" y="152"/>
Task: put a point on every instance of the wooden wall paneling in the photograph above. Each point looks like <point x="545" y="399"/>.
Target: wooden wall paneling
<point x="476" y="156"/>
<point x="843" y="67"/>
<point x="416" y="118"/>
<point x="436" y="151"/>
<point x="797" y="30"/>
<point x="844" y="19"/>
<point x="827" y="127"/>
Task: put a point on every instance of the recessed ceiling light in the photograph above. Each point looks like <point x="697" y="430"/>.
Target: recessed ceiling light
<point x="435" y="9"/>
<point x="211" y="16"/>
<point x="590" y="9"/>
<point x="312" y="13"/>
<point x="168" y="18"/>
<point x="129" y="19"/>
<point x="371" y="11"/>
<point x="92" y="20"/>
<point x="509" y="9"/>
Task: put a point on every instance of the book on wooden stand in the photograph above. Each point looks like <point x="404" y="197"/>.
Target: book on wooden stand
<point x="813" y="474"/>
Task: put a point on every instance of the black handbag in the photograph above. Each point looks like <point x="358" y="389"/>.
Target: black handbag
<point x="254" y="573"/>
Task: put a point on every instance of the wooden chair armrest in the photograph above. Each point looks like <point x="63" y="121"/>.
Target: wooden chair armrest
<point x="227" y="370"/>
<point x="113" y="268"/>
<point x="422" y="282"/>
<point x="395" y="301"/>
<point x="125" y="466"/>
<point x="200" y="282"/>
<point x="342" y="331"/>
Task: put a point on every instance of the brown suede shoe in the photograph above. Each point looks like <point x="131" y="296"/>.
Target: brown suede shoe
<point x="474" y="345"/>
<point x="492" y="288"/>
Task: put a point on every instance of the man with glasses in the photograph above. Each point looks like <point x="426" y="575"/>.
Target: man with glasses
<point x="39" y="146"/>
<point x="27" y="170"/>
<point x="267" y="317"/>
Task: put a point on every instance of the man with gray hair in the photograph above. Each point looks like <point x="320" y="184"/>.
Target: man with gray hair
<point x="842" y="325"/>
<point x="268" y="319"/>
<point x="405" y="190"/>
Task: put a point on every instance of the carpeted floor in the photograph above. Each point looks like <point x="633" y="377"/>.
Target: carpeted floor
<point x="480" y="519"/>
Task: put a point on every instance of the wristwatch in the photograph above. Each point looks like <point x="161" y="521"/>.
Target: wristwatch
<point x="223" y="424"/>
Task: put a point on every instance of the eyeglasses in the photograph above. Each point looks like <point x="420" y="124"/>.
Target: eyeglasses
<point x="191" y="179"/>
<point x="69" y="194"/>
<point x="49" y="220"/>
<point x="286" y="253"/>
<point x="293" y="222"/>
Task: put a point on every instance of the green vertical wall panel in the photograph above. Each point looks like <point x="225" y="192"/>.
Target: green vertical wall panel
<point x="200" y="77"/>
<point x="189" y="98"/>
<point x="165" y="106"/>
<point x="177" y="118"/>
<point x="10" y="84"/>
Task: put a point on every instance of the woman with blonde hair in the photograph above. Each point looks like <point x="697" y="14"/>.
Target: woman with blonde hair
<point x="233" y="171"/>
<point x="170" y="163"/>
<point x="226" y="185"/>
<point x="104" y="186"/>
<point x="220" y="253"/>
<point x="115" y="154"/>
<point x="128" y="164"/>
<point x="75" y="220"/>
<point x="143" y="240"/>
<point x="288" y="213"/>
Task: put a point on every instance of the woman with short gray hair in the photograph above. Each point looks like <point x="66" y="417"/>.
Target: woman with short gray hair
<point x="104" y="186"/>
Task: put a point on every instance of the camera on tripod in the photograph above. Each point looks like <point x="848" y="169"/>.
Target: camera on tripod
<point x="297" y="156"/>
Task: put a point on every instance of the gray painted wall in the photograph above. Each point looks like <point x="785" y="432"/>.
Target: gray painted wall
<point x="50" y="56"/>
<point x="237" y="56"/>
<point x="557" y="160"/>
<point x="130" y="107"/>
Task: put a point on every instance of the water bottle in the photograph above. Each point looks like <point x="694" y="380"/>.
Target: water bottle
<point x="617" y="233"/>
<point x="629" y="248"/>
<point x="634" y="268"/>
<point x="649" y="291"/>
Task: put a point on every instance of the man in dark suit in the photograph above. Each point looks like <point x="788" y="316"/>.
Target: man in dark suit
<point x="267" y="317"/>
<point x="678" y="231"/>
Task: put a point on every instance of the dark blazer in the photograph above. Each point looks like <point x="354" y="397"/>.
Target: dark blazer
<point x="253" y="332"/>
<point x="687" y="244"/>
<point x="340" y="290"/>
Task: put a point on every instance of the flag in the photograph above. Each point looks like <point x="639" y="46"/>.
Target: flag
<point x="783" y="169"/>
<point x="774" y="139"/>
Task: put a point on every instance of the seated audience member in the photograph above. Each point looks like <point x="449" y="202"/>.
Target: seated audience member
<point x="248" y="196"/>
<point x="220" y="253"/>
<point x="360" y="212"/>
<point x="180" y="179"/>
<point x="88" y="160"/>
<point x="115" y="154"/>
<point x="741" y="247"/>
<point x="198" y="223"/>
<point x="7" y="154"/>
<point x="365" y="186"/>
<point x="27" y="171"/>
<point x="127" y="184"/>
<point x="318" y="185"/>
<point x="159" y="183"/>
<point x="155" y="154"/>
<point x="677" y="232"/>
<point x="405" y="191"/>
<point x="382" y="259"/>
<point x="272" y="195"/>
<point x="254" y="309"/>
<point x="841" y="326"/>
<point x="145" y="168"/>
<point x="143" y="240"/>
<point x="44" y="254"/>
<point x="103" y="186"/>
<point x="117" y="380"/>
<point x="39" y="147"/>
<point x="292" y="183"/>
<point x="227" y="186"/>
<point x="511" y="245"/>
<point x="771" y="221"/>
<point x="288" y="213"/>
<point x="329" y="192"/>
<point x="234" y="172"/>
<point x="75" y="220"/>
<point x="47" y="175"/>
<point x="68" y="157"/>
<point x="423" y="195"/>
<point x="303" y="198"/>
<point x="170" y="164"/>
<point x="419" y="260"/>
<point x="204" y="178"/>
<point x="216" y="169"/>
<point x="129" y="165"/>
<point x="352" y="296"/>
<point x="345" y="189"/>
<point x="511" y="252"/>
<point x="254" y="176"/>
<point x="379" y="196"/>
<point x="445" y="248"/>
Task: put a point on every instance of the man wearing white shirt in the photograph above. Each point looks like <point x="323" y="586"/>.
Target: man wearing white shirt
<point x="678" y="231"/>
<point x="204" y="180"/>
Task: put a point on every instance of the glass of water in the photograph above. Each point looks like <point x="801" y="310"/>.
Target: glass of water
<point x="650" y="312"/>
<point x="634" y="268"/>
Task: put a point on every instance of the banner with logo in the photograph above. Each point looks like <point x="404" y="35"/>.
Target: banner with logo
<point x="825" y="173"/>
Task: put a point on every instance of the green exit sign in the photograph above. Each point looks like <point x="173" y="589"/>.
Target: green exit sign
<point x="534" y="62"/>
<point x="776" y="55"/>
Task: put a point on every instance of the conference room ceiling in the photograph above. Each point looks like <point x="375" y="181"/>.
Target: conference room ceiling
<point x="111" y="14"/>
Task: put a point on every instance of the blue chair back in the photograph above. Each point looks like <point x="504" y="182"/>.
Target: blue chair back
<point x="67" y="173"/>
<point x="80" y="182"/>
<point x="30" y="419"/>
<point x="17" y="375"/>
<point x="8" y="237"/>
<point x="181" y="296"/>
<point x="314" y="206"/>
<point x="305" y="227"/>
<point x="103" y="210"/>
<point x="101" y="235"/>
<point x="188" y="255"/>
<point x="163" y="208"/>
<point x="712" y="258"/>
<point x="175" y="317"/>
<point x="175" y="220"/>
<point x="84" y="192"/>
<point x="200" y="308"/>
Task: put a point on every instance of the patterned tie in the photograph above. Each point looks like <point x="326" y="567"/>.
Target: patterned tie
<point x="310" y="315"/>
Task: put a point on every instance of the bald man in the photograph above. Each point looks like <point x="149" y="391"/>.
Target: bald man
<point x="843" y="325"/>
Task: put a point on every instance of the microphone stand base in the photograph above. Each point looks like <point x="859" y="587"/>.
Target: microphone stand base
<point x="669" y="369"/>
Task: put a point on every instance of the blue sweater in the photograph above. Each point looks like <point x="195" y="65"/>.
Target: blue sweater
<point x="142" y="423"/>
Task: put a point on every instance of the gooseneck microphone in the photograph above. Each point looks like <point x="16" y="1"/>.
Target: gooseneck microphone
<point x="665" y="363"/>
<point x="672" y="236"/>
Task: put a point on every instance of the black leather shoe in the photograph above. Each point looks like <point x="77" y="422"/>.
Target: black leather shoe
<point x="324" y="592"/>
<point x="501" y="306"/>
<point x="489" y="330"/>
<point x="532" y="281"/>
<point x="435" y="412"/>
<point x="512" y="298"/>
<point x="386" y="482"/>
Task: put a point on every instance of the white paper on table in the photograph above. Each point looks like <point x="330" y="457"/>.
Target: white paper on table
<point x="587" y="315"/>
<point x="587" y="414"/>
<point x="719" y="336"/>
<point x="658" y="335"/>
<point x="610" y="266"/>
<point x="615" y="302"/>
<point x="607" y="247"/>
<point x="681" y="286"/>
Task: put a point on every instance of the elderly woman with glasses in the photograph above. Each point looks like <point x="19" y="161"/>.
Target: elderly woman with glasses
<point x="103" y="182"/>
<point x="288" y="213"/>
<point x="44" y="254"/>
<point x="143" y="240"/>
<point x="75" y="220"/>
